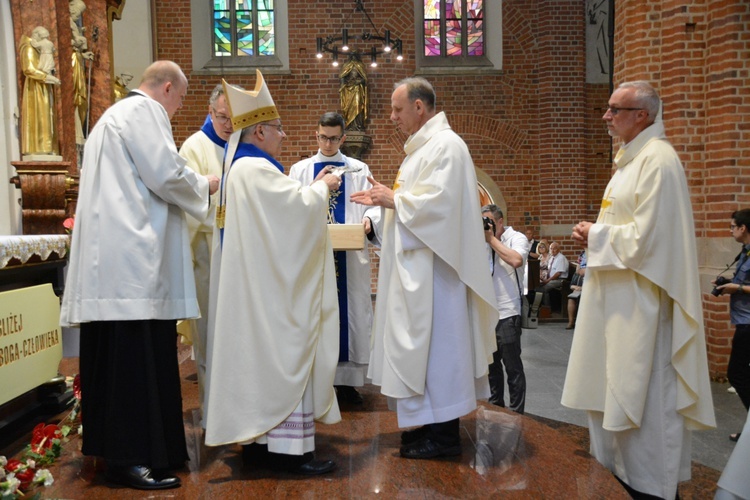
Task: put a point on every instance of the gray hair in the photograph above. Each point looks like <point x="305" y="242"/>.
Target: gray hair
<point x="494" y="210"/>
<point x="418" y="88"/>
<point x="646" y="96"/>
<point x="217" y="92"/>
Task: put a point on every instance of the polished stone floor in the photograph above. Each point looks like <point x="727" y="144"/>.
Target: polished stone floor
<point x="540" y="455"/>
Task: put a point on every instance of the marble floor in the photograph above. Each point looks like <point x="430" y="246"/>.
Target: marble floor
<point x="542" y="454"/>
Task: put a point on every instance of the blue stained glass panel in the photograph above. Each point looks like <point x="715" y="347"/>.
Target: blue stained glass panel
<point x="245" y="45"/>
<point x="266" y="36"/>
<point x="222" y="29"/>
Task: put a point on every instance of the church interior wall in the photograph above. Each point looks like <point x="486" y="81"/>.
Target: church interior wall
<point x="698" y="56"/>
<point x="535" y="126"/>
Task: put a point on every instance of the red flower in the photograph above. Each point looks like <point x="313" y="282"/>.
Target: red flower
<point x="69" y="223"/>
<point x="23" y="473"/>
<point x="42" y="437"/>
<point x="13" y="465"/>
<point x="77" y="386"/>
<point x="26" y="476"/>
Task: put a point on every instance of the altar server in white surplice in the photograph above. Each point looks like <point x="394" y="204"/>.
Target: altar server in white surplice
<point x="433" y="334"/>
<point x="638" y="360"/>
<point x="353" y="267"/>
<point x="273" y="314"/>
<point x="130" y="279"/>
<point x="204" y="152"/>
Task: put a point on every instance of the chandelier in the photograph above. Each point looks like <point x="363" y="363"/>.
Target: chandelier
<point x="370" y="43"/>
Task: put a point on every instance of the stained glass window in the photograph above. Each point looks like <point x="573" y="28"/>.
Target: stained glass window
<point x="453" y="28"/>
<point x="243" y="28"/>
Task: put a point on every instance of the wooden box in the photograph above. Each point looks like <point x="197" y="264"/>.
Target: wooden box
<point x="347" y="236"/>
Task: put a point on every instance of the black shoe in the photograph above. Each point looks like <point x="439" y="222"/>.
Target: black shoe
<point x="348" y="394"/>
<point x="414" y="435"/>
<point x="313" y="467"/>
<point x="255" y="454"/>
<point x="735" y="437"/>
<point x="140" y="477"/>
<point x="427" y="448"/>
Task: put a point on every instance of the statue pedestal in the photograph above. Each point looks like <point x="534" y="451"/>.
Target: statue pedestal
<point x="43" y="195"/>
<point x="42" y="158"/>
<point x="357" y="144"/>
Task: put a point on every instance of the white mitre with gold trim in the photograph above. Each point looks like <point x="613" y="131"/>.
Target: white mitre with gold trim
<point x="248" y="107"/>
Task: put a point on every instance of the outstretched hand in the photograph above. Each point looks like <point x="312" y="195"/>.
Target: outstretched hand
<point x="378" y="195"/>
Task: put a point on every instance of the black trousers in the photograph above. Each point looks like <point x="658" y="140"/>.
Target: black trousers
<point x="508" y="354"/>
<point x="131" y="401"/>
<point x="738" y="371"/>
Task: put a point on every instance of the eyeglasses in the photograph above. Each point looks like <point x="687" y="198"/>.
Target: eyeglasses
<point x="732" y="227"/>
<point x="615" y="110"/>
<point x="223" y="119"/>
<point x="277" y="126"/>
<point x="333" y="140"/>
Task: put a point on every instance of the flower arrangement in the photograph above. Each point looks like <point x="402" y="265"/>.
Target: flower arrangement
<point x="19" y="476"/>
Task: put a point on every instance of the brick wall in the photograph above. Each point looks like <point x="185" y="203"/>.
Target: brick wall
<point x="536" y="128"/>
<point x="697" y="54"/>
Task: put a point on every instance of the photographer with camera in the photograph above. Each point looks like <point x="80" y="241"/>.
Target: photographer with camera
<point x="509" y="250"/>
<point x="738" y="371"/>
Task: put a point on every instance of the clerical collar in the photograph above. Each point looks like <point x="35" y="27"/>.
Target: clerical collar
<point x="337" y="157"/>
<point x="252" y="151"/>
<point x="208" y="129"/>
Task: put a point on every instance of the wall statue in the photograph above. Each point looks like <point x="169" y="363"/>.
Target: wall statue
<point x="121" y="85"/>
<point x="354" y="96"/>
<point x="38" y="110"/>
<point x="81" y="54"/>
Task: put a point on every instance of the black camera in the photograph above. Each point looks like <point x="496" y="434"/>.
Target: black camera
<point x="488" y="224"/>
<point x="720" y="280"/>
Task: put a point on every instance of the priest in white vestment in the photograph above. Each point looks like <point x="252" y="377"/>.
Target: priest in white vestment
<point x="204" y="152"/>
<point x="273" y="313"/>
<point x="433" y="333"/>
<point x="638" y="360"/>
<point x="130" y="279"/>
<point x="353" y="266"/>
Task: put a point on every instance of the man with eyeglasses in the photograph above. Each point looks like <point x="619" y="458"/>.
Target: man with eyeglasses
<point x="204" y="151"/>
<point x="273" y="315"/>
<point x="355" y="302"/>
<point x="738" y="370"/>
<point x="638" y="361"/>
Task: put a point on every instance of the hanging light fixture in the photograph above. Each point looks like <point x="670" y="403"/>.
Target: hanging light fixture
<point x="369" y="43"/>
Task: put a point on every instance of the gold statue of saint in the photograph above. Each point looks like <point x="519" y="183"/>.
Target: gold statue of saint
<point x="354" y="97"/>
<point x="121" y="85"/>
<point x="38" y="110"/>
<point x="81" y="53"/>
